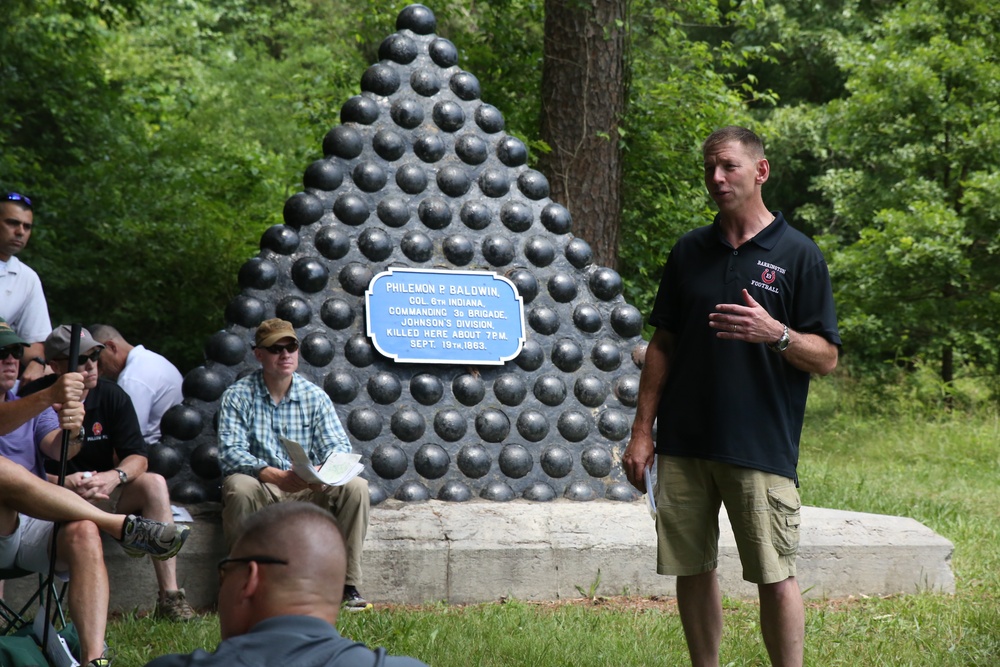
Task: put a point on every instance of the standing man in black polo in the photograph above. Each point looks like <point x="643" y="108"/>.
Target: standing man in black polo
<point x="744" y="315"/>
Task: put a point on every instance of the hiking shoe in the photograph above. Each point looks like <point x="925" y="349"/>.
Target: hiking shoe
<point x="142" y="536"/>
<point x="353" y="601"/>
<point x="173" y="606"/>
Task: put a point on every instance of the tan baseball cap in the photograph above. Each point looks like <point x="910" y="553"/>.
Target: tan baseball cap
<point x="271" y="331"/>
<point x="57" y="344"/>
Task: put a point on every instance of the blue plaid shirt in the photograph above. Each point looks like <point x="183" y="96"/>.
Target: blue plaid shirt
<point x="250" y="423"/>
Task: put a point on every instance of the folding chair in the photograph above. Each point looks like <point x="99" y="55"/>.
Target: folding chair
<point x="14" y="618"/>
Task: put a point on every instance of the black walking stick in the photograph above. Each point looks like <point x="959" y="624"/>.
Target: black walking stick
<point x="74" y="356"/>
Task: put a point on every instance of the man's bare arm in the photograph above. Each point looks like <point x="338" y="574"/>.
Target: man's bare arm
<point x="68" y="387"/>
<point x="655" y="368"/>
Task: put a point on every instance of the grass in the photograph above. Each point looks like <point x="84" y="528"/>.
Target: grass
<point x="941" y="469"/>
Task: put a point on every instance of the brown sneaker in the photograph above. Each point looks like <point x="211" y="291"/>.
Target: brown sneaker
<point x="173" y="606"/>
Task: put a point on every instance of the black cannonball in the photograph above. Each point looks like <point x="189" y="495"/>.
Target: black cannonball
<point x="226" y="348"/>
<point x="533" y="184"/>
<point x="359" y="351"/>
<point x="380" y="79"/>
<point x="587" y="318"/>
<point x="336" y="313"/>
<point x="465" y="86"/>
<point x="556" y="461"/>
<point x="453" y="180"/>
<point x="539" y="492"/>
<point x="355" y="278"/>
<point x="205" y="460"/>
<point x="489" y="119"/>
<point x="323" y="175"/>
<point x="450" y="425"/>
<point x="494" y="183"/>
<point x="512" y="151"/>
<point x="606" y="355"/>
<point x="573" y="426"/>
<point x="350" y="209"/>
<point x="310" y="274"/>
<point x="580" y="492"/>
<point x="245" y="311"/>
<point x="189" y="492"/>
<point x="498" y="250"/>
<point x="412" y="492"/>
<point x="605" y="283"/>
<point x="426" y="389"/>
<point x="204" y="383"/>
<point x="431" y="461"/>
<point x="164" y="460"/>
<point x="376" y="494"/>
<point x="369" y="177"/>
<point x="454" y="491"/>
<point x="532" y="425"/>
<point x="425" y="82"/>
<point x="398" y="48"/>
<point x="364" y="424"/>
<point x="590" y="391"/>
<point x="622" y="492"/>
<point x="550" y="390"/>
<point x="406" y="113"/>
<point x="526" y="284"/>
<point x="544" y="320"/>
<point x="556" y="218"/>
<point x="341" y="387"/>
<point x="417" y="246"/>
<point x="294" y="309"/>
<point x="562" y="287"/>
<point x="579" y="254"/>
<point x="434" y="212"/>
<point x="394" y="211"/>
<point x="448" y="116"/>
<point x="597" y="461"/>
<point x="389" y="145"/>
<point x="627" y="390"/>
<point x="443" y="53"/>
<point x="515" y="461"/>
<point x="317" y="349"/>
<point x="418" y="19"/>
<point x="516" y="216"/>
<point x="539" y="251"/>
<point x="492" y="425"/>
<point x="531" y="356"/>
<point x="475" y="215"/>
<point x="359" y="109"/>
<point x="510" y="389"/>
<point x="181" y="422"/>
<point x="499" y="492"/>
<point x="567" y="355"/>
<point x="258" y="273"/>
<point x="407" y="424"/>
<point x="384" y="387"/>
<point x="375" y="244"/>
<point x="639" y="353"/>
<point x="301" y="209"/>
<point x="344" y="142"/>
<point x="626" y="320"/>
<point x="474" y="461"/>
<point x="459" y="250"/>
<point x="281" y="239"/>
<point x="468" y="389"/>
<point x="389" y="461"/>
<point x="331" y="242"/>
<point x="471" y="149"/>
<point x="411" y="179"/>
<point x="613" y="424"/>
<point x="429" y="148"/>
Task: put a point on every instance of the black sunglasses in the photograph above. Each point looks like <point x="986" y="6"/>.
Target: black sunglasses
<point x="83" y="358"/>
<point x="13" y="196"/>
<point x="260" y="560"/>
<point x="278" y="349"/>
<point x="16" y="351"/>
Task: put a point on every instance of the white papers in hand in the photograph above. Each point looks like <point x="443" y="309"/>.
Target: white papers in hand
<point x="337" y="470"/>
<point x="650" y="493"/>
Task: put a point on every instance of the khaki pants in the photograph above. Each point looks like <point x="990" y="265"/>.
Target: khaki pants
<point x="243" y="495"/>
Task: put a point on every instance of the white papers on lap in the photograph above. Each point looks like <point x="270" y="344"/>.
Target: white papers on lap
<point x="650" y="492"/>
<point x="339" y="468"/>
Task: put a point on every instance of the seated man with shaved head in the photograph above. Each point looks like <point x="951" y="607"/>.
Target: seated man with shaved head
<point x="279" y="597"/>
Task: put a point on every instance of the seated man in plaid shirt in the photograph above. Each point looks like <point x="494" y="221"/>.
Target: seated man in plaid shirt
<point x="274" y="402"/>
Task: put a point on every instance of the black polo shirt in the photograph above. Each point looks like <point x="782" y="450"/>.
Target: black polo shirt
<point x="732" y="401"/>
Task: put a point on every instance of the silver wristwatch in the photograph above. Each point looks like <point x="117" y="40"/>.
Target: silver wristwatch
<point x="122" y="475"/>
<point x="782" y="343"/>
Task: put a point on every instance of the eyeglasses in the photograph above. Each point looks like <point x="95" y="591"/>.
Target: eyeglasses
<point x="260" y="560"/>
<point x="84" y="358"/>
<point x="16" y="351"/>
<point x="13" y="196"/>
<point x="291" y="348"/>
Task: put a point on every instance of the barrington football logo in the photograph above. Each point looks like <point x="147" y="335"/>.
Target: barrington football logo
<point x="768" y="275"/>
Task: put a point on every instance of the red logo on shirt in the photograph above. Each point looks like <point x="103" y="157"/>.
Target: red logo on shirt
<point x="98" y="429"/>
<point x="769" y="276"/>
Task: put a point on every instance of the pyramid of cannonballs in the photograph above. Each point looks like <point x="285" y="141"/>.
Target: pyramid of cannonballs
<point x="420" y="175"/>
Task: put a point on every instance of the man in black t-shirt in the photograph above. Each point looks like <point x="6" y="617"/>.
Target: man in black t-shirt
<point x="110" y="468"/>
<point x="744" y="314"/>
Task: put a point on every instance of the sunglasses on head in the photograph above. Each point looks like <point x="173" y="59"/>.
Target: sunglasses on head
<point x="84" y="358"/>
<point x="13" y="196"/>
<point x="16" y="351"/>
<point x="287" y="347"/>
